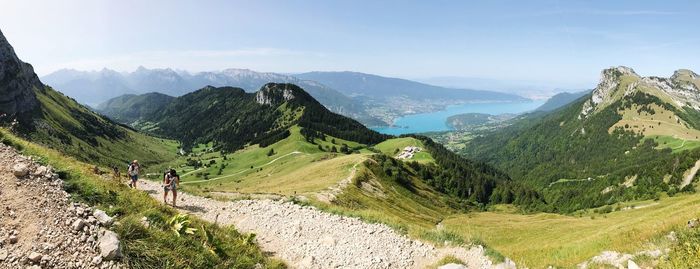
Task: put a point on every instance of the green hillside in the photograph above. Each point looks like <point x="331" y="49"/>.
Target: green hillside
<point x="43" y="115"/>
<point x="129" y="108"/>
<point x="236" y="118"/>
<point x="73" y="129"/>
<point x="587" y="156"/>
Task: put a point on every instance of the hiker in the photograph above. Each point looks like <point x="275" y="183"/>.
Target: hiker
<point x="170" y="183"/>
<point x="133" y="172"/>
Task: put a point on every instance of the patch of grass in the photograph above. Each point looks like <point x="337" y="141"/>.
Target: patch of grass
<point x="686" y="252"/>
<point x="493" y="255"/>
<point x="443" y="237"/>
<point x="675" y="144"/>
<point x="447" y="260"/>
<point x="390" y="147"/>
<point x="157" y="246"/>
<point x="540" y="240"/>
<point x="383" y="200"/>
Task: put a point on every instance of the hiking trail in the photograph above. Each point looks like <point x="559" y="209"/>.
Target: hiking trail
<point x="305" y="237"/>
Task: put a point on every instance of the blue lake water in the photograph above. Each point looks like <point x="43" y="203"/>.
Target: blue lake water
<point x="435" y="121"/>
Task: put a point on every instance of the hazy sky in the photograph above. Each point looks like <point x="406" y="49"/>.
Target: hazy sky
<point x="567" y="42"/>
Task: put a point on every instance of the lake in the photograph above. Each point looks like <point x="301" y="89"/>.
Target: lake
<point x="435" y="121"/>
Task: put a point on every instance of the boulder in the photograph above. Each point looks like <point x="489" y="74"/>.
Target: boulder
<point x="41" y="171"/>
<point x="452" y="266"/>
<point x="693" y="223"/>
<point x="34" y="257"/>
<point x="102" y="217"/>
<point x="109" y="246"/>
<point x="20" y="169"/>
<point x="78" y="224"/>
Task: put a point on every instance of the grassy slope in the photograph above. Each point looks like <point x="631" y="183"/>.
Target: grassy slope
<point x="157" y="246"/>
<point x="539" y="240"/>
<point x="377" y="198"/>
<point x="675" y="144"/>
<point x="296" y="167"/>
<point x="391" y="146"/>
<point x="61" y="114"/>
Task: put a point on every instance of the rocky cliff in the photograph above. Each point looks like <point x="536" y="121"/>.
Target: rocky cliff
<point x="17" y="84"/>
<point x="680" y="90"/>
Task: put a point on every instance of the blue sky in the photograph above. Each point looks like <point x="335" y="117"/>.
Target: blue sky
<point x="563" y="43"/>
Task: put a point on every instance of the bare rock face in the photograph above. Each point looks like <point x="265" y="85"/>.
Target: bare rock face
<point x="17" y="83"/>
<point x="272" y="94"/>
<point x="682" y="89"/>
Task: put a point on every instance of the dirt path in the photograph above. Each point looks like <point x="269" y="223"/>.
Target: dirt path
<point x="305" y="237"/>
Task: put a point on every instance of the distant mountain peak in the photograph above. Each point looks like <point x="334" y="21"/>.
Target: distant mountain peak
<point x="682" y="89"/>
<point x="684" y="74"/>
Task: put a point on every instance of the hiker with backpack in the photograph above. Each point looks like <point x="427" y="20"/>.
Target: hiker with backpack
<point x="133" y="172"/>
<point x="171" y="180"/>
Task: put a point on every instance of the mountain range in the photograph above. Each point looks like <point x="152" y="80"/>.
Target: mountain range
<point x="631" y="142"/>
<point x="371" y="99"/>
<point x="279" y="115"/>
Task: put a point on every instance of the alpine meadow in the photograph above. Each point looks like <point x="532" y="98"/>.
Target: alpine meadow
<point x="349" y="134"/>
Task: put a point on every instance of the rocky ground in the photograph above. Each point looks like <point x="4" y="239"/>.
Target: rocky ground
<point x="306" y="237"/>
<point x="41" y="228"/>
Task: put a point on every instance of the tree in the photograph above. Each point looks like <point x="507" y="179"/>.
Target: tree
<point x="271" y="152"/>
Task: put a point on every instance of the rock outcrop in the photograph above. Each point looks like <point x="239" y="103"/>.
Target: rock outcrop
<point x="17" y="84"/>
<point x="681" y="90"/>
<point x="274" y="94"/>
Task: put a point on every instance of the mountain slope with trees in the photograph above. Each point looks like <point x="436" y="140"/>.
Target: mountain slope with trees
<point x="560" y="100"/>
<point x="236" y="118"/>
<point x="129" y="108"/>
<point x="608" y="147"/>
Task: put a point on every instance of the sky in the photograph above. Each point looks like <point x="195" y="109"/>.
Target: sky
<point x="563" y="43"/>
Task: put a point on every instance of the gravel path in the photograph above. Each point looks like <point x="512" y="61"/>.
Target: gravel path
<point x="39" y="226"/>
<point x="305" y="237"/>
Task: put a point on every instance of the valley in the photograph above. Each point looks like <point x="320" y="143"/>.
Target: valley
<point x="315" y="167"/>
